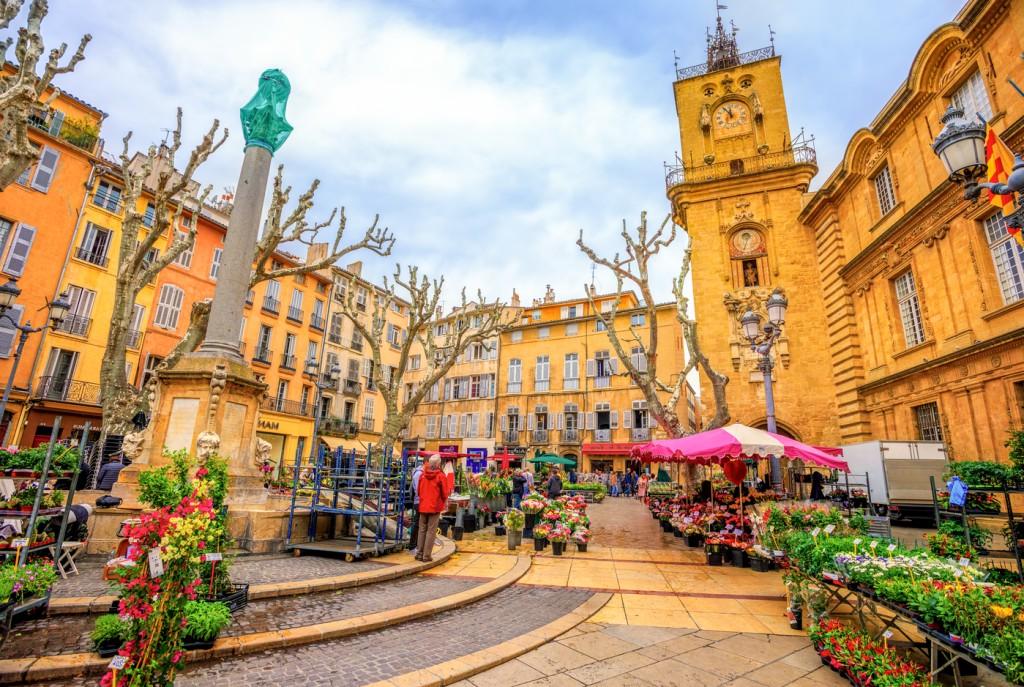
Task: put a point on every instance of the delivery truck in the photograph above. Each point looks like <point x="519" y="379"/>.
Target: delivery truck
<point x="897" y="475"/>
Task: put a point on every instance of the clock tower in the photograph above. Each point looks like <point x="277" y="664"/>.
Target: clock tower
<point x="738" y="188"/>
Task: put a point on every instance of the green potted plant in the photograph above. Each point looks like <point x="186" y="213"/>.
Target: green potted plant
<point x="514" y="521"/>
<point x="109" y="633"/>
<point x="203" y="622"/>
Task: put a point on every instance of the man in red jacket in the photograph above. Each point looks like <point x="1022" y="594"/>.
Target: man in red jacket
<point x="434" y="490"/>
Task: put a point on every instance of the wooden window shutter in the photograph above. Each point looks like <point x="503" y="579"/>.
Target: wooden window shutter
<point x="614" y="415"/>
<point x="591" y="420"/>
<point x="46" y="169"/>
<point x="504" y="423"/>
<point x="17" y="256"/>
<point x="627" y="418"/>
<point x="530" y="421"/>
<point x="561" y="420"/>
<point x="591" y="367"/>
<point x="613" y="364"/>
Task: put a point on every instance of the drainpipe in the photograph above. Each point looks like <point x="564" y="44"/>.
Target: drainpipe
<point x="27" y="406"/>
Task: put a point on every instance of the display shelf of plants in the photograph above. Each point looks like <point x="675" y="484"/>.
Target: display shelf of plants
<point x="592" y="491"/>
<point x="173" y="582"/>
<point x="554" y="522"/>
<point x="967" y="609"/>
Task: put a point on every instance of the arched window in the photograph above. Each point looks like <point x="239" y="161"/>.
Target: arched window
<point x="749" y="257"/>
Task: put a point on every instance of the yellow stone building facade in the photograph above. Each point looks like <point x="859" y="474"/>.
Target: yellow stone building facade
<point x="738" y="189"/>
<point x="925" y="290"/>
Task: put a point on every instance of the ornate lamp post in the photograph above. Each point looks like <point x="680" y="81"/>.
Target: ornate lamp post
<point x="961" y="147"/>
<point x="761" y="342"/>
<point x="59" y="308"/>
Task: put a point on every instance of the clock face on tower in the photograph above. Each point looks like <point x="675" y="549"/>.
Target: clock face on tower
<point x="731" y="119"/>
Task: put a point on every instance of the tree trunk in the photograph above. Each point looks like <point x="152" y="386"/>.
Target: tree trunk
<point x="119" y="397"/>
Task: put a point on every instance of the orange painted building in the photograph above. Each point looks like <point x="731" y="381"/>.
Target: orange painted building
<point x="39" y="216"/>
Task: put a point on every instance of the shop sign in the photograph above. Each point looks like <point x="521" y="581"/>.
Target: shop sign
<point x="268" y="424"/>
<point x="477" y="460"/>
<point x="448" y="448"/>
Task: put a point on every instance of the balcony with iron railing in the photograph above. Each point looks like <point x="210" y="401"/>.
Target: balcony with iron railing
<point x="92" y="256"/>
<point x="288" y="361"/>
<point x="111" y="202"/>
<point x="78" y="133"/>
<point x="338" y="427"/>
<point x="133" y="338"/>
<point x="334" y="338"/>
<point x="802" y="154"/>
<point x="570" y="436"/>
<point x="640" y="434"/>
<point x="76" y="325"/>
<point x="602" y="435"/>
<point x="294" y="313"/>
<point x="70" y="390"/>
<point x="281" y="405"/>
<point x="511" y="437"/>
<point x="351" y="387"/>
<point x="271" y="305"/>
<point x="539" y="436"/>
<point x="357" y="346"/>
<point x="262" y="355"/>
<point x="367" y="424"/>
<point x="741" y="59"/>
<point x="317" y="322"/>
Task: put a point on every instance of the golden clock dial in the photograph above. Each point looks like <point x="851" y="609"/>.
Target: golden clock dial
<point x="732" y="118"/>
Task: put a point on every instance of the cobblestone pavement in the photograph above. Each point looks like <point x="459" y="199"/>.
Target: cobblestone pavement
<point x="379" y="655"/>
<point x="70" y="634"/>
<point x="254" y="569"/>
<point x="633" y="656"/>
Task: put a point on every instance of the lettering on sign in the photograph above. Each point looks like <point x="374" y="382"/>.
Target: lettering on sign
<point x="816" y="531"/>
<point x="211" y="557"/>
<point x="891" y="547"/>
<point x="118" y="663"/>
<point x="268" y="424"/>
<point x="829" y="529"/>
<point x="874" y="544"/>
<point x="156" y="566"/>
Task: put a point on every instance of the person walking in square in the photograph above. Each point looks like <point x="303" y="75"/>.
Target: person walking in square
<point x="414" y="535"/>
<point x="518" y="488"/>
<point x="433" y="492"/>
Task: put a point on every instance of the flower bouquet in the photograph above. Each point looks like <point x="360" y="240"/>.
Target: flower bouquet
<point x="533" y="505"/>
<point x="540" y="536"/>
<point x="558" y="536"/>
<point x="514" y="521"/>
<point x="581" y="536"/>
<point x="713" y="546"/>
<point x="694" y="534"/>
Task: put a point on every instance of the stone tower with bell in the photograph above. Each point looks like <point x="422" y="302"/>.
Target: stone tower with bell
<point x="737" y="187"/>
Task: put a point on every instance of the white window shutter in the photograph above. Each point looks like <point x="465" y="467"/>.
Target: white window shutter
<point x="591" y="367"/>
<point x="504" y="423"/>
<point x="8" y="334"/>
<point x="530" y="421"/>
<point x="56" y="123"/>
<point x="565" y="312"/>
<point x="561" y="420"/>
<point x="627" y="418"/>
<point x="643" y="362"/>
<point x="46" y="169"/>
<point x="17" y="256"/>
<point x="367" y="368"/>
<point x="580" y="420"/>
<point x="614" y="365"/>
<point x="614" y="415"/>
<point x="591" y="420"/>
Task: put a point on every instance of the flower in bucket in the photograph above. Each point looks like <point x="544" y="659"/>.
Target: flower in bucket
<point x="514" y="519"/>
<point x="559" y="534"/>
<point x="551" y="515"/>
<point x="541" y="531"/>
<point x="581" y="535"/>
<point x="533" y="505"/>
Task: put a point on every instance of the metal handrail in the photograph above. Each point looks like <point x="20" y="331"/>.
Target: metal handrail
<point x="271" y="304"/>
<point x="744" y="58"/>
<point x="797" y="155"/>
<point x="75" y="325"/>
<point x="91" y="256"/>
<point x="66" y="389"/>
<point x="294" y="313"/>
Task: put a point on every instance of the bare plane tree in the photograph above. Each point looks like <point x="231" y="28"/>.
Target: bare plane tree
<point x="423" y="296"/>
<point x="170" y="194"/>
<point x="634" y="268"/>
<point x="21" y="91"/>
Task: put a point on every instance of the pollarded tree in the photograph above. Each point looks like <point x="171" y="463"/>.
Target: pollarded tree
<point x="171" y="193"/>
<point x="662" y="396"/>
<point x="482" y="321"/>
<point x="20" y="92"/>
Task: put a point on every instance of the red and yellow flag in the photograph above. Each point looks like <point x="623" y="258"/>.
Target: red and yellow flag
<point x="999" y="162"/>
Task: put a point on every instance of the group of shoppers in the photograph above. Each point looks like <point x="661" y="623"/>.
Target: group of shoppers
<point x="628" y="483"/>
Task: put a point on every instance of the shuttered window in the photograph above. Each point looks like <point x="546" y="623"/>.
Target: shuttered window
<point x="8" y="334"/>
<point x="46" y="170"/>
<point x="215" y="264"/>
<point x="20" y="247"/>
<point x="169" y="306"/>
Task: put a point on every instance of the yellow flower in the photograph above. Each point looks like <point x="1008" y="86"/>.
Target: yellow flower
<point x="1001" y="611"/>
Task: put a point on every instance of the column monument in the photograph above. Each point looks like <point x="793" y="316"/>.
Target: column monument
<point x="209" y="402"/>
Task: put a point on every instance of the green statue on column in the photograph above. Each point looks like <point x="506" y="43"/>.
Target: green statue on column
<point x="263" y="119"/>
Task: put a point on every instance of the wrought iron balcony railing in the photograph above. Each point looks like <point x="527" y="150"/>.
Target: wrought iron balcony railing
<point x="65" y="389"/>
<point x="357" y="346"/>
<point x="539" y="436"/>
<point x="294" y="313"/>
<point x="281" y="405"/>
<point x="271" y="305"/>
<point x="93" y="256"/>
<point x="262" y="355"/>
<point x="640" y="434"/>
<point x="334" y="338"/>
<point x="317" y="322"/>
<point x="743" y="58"/>
<point x="685" y="174"/>
<point x="570" y="436"/>
<point x="75" y="133"/>
<point x="337" y="427"/>
<point x="133" y="339"/>
<point x="511" y="437"/>
<point x="111" y="202"/>
<point x="351" y="387"/>
<point x="75" y="325"/>
<point x="288" y="361"/>
<point x="367" y="424"/>
<point x="602" y="435"/>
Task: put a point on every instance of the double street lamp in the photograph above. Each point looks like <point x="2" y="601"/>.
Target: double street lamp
<point x="59" y="308"/>
<point x="761" y="342"/>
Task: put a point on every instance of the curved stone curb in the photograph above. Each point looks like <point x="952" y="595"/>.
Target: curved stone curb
<point x="69" y="605"/>
<point x="37" y="669"/>
<point x="469" y="665"/>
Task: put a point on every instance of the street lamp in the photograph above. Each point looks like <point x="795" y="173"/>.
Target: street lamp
<point x="59" y="308"/>
<point x="761" y="342"/>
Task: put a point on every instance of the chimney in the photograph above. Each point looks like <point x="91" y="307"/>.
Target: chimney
<point x="515" y="299"/>
<point x="315" y="252"/>
<point x="355" y="268"/>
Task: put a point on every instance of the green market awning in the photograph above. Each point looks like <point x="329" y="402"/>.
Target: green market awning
<point x="552" y="459"/>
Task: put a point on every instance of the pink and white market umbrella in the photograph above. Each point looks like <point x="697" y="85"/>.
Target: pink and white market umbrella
<point x="717" y="446"/>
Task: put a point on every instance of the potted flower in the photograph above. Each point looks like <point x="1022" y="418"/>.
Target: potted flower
<point x="558" y="536"/>
<point x="738" y="553"/>
<point x="499" y="524"/>
<point x="531" y="507"/>
<point x="760" y="560"/>
<point x="514" y="520"/>
<point x="109" y="633"/>
<point x="665" y="519"/>
<point x="694" y="535"/>
<point x="203" y="622"/>
<point x="540" y="536"/>
<point x="581" y="536"/>
<point x="713" y="549"/>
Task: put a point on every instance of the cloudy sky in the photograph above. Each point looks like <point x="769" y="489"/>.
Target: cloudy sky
<point x="485" y="133"/>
